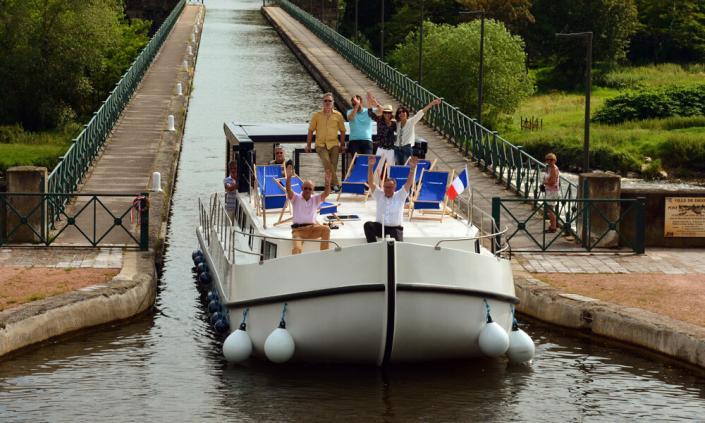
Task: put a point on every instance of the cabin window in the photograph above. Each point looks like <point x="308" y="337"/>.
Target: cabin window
<point x="250" y="241"/>
<point x="269" y="250"/>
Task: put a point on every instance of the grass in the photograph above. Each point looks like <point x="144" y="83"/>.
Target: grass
<point x="623" y="147"/>
<point x="22" y="148"/>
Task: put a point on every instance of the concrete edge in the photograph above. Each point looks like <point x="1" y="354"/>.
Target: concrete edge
<point x="680" y="340"/>
<point x="128" y="294"/>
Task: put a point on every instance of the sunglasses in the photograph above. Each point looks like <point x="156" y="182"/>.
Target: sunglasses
<point x="327" y="101"/>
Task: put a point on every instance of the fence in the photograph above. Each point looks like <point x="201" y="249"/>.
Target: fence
<point x="69" y="173"/>
<point x="592" y="223"/>
<point x="96" y="219"/>
<point x="506" y="162"/>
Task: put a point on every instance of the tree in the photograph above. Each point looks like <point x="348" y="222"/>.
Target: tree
<point x="515" y="14"/>
<point x="670" y="31"/>
<point x="56" y="55"/>
<point x="451" y="66"/>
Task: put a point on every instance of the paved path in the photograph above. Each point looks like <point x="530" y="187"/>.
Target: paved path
<point x="347" y="80"/>
<point x="132" y="151"/>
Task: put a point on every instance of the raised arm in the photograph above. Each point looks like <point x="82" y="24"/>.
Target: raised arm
<point x="435" y="102"/>
<point x="289" y="171"/>
<point x="326" y="190"/>
<point x="413" y="161"/>
<point x="370" y="177"/>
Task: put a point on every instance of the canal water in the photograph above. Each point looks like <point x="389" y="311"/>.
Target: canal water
<point x="167" y="366"/>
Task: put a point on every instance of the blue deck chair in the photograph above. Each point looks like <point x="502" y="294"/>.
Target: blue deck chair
<point x="400" y="174"/>
<point x="297" y="185"/>
<point x="422" y="165"/>
<point x="431" y="196"/>
<point x="271" y="195"/>
<point x="355" y="181"/>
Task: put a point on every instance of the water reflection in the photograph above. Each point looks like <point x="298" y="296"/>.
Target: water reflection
<point x="168" y="367"/>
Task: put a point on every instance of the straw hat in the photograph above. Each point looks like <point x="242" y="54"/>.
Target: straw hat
<point x="388" y="108"/>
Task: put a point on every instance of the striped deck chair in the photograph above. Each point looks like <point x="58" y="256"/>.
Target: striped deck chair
<point x="430" y="196"/>
<point x="297" y="185"/>
<point x="355" y="181"/>
<point x="269" y="194"/>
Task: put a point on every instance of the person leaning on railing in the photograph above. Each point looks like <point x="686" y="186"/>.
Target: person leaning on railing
<point x="304" y="208"/>
<point x="231" y="185"/>
<point x="327" y="124"/>
<point x="406" y="132"/>
<point x="551" y="188"/>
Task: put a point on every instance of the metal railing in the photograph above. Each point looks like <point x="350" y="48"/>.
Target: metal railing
<point x="591" y="223"/>
<point x="506" y="162"/>
<point x="68" y="174"/>
<point x="24" y="219"/>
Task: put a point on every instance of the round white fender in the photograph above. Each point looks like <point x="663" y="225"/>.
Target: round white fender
<point x="521" y="347"/>
<point x="279" y="346"/>
<point x="237" y="346"/>
<point x="493" y="340"/>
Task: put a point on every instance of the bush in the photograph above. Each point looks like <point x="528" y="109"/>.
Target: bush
<point x="570" y="154"/>
<point x="649" y="104"/>
<point x="684" y="152"/>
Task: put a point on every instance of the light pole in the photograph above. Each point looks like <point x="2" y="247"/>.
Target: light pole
<point x="588" y="89"/>
<point x="355" y="37"/>
<point x="381" y="34"/>
<point x="481" y="77"/>
<point x="421" y="47"/>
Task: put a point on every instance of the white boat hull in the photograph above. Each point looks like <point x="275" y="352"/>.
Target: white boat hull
<point x="370" y="303"/>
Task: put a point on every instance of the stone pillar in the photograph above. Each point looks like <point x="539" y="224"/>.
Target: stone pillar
<point x="25" y="216"/>
<point x="599" y="185"/>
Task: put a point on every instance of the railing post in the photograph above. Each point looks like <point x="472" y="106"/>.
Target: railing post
<point x="144" y="221"/>
<point x="496" y="202"/>
<point x="640" y="223"/>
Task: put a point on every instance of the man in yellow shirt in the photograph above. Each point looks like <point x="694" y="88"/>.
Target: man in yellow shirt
<point x="329" y="126"/>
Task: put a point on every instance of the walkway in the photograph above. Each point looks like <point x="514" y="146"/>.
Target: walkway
<point x="346" y="80"/>
<point x="140" y="142"/>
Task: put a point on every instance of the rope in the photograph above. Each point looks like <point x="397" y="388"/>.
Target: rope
<point x="487" y="307"/>
<point x="282" y="321"/>
<point x="243" y="324"/>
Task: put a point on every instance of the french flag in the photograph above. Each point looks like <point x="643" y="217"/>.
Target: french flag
<point x="460" y="184"/>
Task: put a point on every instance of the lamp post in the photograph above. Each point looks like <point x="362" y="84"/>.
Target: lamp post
<point x="588" y="88"/>
<point x="421" y="46"/>
<point x="381" y="33"/>
<point x="481" y="76"/>
<point x="355" y="36"/>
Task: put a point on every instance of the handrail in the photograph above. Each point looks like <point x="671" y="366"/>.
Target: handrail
<point x="74" y="164"/>
<point x="266" y="237"/>
<point x="502" y="232"/>
<point x="507" y="162"/>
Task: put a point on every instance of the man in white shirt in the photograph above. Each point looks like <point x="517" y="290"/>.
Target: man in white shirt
<point x="390" y="204"/>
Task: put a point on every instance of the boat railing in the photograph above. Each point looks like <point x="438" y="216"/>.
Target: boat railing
<point x="478" y="239"/>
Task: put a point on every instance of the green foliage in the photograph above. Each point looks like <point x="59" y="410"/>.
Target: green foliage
<point x="653" y="103"/>
<point x="634" y="77"/>
<point x="46" y="155"/>
<point x="670" y="31"/>
<point x="58" y="58"/>
<point x="451" y="66"/>
<point x="682" y="151"/>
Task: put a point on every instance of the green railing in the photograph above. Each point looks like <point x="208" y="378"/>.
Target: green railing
<point x="590" y="223"/>
<point x="508" y="163"/>
<point x="92" y="219"/>
<point x="68" y="174"/>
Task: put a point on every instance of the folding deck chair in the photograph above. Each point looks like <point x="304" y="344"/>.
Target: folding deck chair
<point x="355" y="181"/>
<point x="400" y="174"/>
<point x="269" y="194"/>
<point x="422" y="165"/>
<point x="430" y="196"/>
<point x="297" y="185"/>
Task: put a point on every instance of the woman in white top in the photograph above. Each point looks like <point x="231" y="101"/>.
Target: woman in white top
<point x="406" y="135"/>
<point x="551" y="179"/>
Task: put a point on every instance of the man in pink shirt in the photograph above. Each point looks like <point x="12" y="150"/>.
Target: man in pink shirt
<point x="304" y="208"/>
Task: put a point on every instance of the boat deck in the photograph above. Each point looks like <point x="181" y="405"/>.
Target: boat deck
<point x="423" y="228"/>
